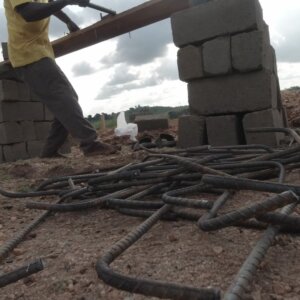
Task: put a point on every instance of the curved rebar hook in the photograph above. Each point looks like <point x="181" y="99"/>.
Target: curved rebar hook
<point x="145" y="286"/>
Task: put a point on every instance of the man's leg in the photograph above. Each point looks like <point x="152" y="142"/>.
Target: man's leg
<point x="52" y="87"/>
<point x="56" y="138"/>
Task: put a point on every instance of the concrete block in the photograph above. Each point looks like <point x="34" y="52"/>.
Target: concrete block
<point x="31" y="111"/>
<point x="191" y="131"/>
<point x="10" y="132"/>
<point x="42" y="129"/>
<point x="190" y="64"/>
<point x="48" y="116"/>
<point x="21" y="111"/>
<point x="252" y="51"/>
<point x="23" y="92"/>
<point x="264" y="118"/>
<point x="215" y="18"/>
<point x="217" y="56"/>
<point x="35" y="148"/>
<point x="28" y="130"/>
<point x="15" y="152"/>
<point x="151" y="122"/>
<point x="11" y="90"/>
<point x="224" y="130"/>
<point x="8" y="90"/>
<point x="233" y="94"/>
<point x="9" y="111"/>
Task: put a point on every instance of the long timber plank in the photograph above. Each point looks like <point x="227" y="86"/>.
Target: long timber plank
<point x="112" y="26"/>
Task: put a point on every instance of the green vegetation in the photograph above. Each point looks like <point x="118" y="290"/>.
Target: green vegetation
<point x="111" y="119"/>
<point x="293" y="88"/>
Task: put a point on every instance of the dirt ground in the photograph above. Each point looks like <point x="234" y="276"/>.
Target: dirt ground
<point x="71" y="243"/>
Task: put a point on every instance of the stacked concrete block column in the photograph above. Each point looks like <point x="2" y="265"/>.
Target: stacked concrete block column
<point x="226" y="58"/>
<point x="264" y="118"/>
<point x="192" y="131"/>
<point x="24" y="122"/>
<point x="224" y="130"/>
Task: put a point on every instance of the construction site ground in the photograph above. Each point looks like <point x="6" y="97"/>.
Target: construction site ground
<point x="70" y="243"/>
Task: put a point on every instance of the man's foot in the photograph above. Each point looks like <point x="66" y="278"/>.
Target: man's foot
<point x="53" y="155"/>
<point x="98" y="148"/>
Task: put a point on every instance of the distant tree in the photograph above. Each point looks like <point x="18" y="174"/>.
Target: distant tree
<point x="294" y="88"/>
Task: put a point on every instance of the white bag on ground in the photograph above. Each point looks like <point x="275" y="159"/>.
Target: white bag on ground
<point x="124" y="128"/>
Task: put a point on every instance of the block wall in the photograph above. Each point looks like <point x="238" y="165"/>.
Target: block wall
<point x="229" y="65"/>
<point x="24" y="122"/>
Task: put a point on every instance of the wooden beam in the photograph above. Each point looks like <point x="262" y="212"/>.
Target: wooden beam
<point x="111" y="26"/>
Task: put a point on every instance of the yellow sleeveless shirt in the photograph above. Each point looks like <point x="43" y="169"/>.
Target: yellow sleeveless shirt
<point x="28" y="42"/>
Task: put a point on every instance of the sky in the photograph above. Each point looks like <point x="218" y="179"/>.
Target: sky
<point x="140" y="68"/>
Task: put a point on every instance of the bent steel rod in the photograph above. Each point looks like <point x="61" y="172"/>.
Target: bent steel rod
<point x="79" y="205"/>
<point x="171" y="197"/>
<point x="22" y="272"/>
<point x="146" y="286"/>
<point x="237" y="290"/>
<point x="244" y="213"/>
<point x="14" y="242"/>
<point x="248" y="184"/>
<point x="19" y="237"/>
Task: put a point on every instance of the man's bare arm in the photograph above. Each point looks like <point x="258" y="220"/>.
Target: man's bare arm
<point x="34" y="11"/>
<point x="68" y="21"/>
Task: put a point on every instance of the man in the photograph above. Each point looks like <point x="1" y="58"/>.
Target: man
<point x="32" y="58"/>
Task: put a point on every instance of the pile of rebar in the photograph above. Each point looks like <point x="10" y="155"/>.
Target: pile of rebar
<point x="164" y="186"/>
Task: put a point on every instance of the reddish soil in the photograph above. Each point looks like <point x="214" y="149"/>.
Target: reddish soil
<point x="71" y="243"/>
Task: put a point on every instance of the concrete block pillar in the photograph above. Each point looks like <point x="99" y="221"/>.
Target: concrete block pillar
<point x="191" y="131"/>
<point x="24" y="122"/>
<point x="227" y="60"/>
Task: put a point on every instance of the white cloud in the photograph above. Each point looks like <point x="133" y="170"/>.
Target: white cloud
<point x="83" y="68"/>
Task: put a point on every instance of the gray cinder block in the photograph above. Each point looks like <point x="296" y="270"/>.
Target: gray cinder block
<point x="232" y="94"/>
<point x="28" y="130"/>
<point x="9" y="111"/>
<point x="251" y="51"/>
<point x="21" y="111"/>
<point x="215" y="18"/>
<point x="8" y="90"/>
<point x="15" y="152"/>
<point x="23" y="92"/>
<point x="11" y="90"/>
<point x="264" y="118"/>
<point x="151" y="122"/>
<point x="11" y="132"/>
<point x="190" y="64"/>
<point x="224" y="130"/>
<point x="191" y="131"/>
<point x="217" y="56"/>
<point x="42" y="129"/>
<point x="31" y="111"/>
<point x="35" y="148"/>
